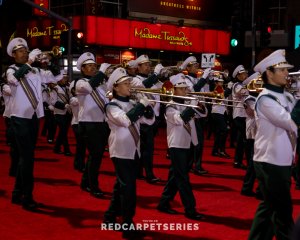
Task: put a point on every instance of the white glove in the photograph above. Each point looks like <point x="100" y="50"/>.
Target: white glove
<point x="33" y="54"/>
<point x="6" y="90"/>
<point x="145" y="101"/>
<point x="104" y="67"/>
<point x="206" y="72"/>
<point x="158" y="69"/>
<point x="51" y="108"/>
<point x="74" y="101"/>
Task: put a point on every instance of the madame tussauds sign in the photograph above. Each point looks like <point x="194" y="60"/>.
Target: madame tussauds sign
<point x="178" y="38"/>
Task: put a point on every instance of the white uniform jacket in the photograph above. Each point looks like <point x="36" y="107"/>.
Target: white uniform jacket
<point x="249" y="104"/>
<point x="273" y="121"/>
<point x="6" y="94"/>
<point x="177" y="135"/>
<point x="137" y="81"/>
<point x="74" y="105"/>
<point x="20" y="104"/>
<point x="121" y="142"/>
<point x="59" y="94"/>
<point x="89" y="111"/>
<point x="239" y="93"/>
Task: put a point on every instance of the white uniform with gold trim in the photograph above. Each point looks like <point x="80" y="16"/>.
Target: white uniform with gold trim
<point x="20" y="104"/>
<point x="88" y="109"/>
<point x="273" y="121"/>
<point x="177" y="135"/>
<point x="121" y="142"/>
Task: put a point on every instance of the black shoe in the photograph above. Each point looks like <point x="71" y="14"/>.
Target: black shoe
<point x="153" y="180"/>
<point x="248" y="193"/>
<point x="140" y="177"/>
<point x="215" y="154"/>
<point x="194" y="215"/>
<point x="57" y="151"/>
<point x="200" y="171"/>
<point x="166" y="209"/>
<point x="68" y="153"/>
<point x="97" y="193"/>
<point x="15" y="199"/>
<point x="85" y="188"/>
<point x="224" y="155"/>
<point x="29" y="205"/>
<point x="239" y="165"/>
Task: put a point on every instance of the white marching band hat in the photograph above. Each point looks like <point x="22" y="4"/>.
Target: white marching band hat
<point x="189" y="61"/>
<point x="250" y="78"/>
<point x="117" y="76"/>
<point x="85" y="58"/>
<point x="132" y="64"/>
<point x="178" y="80"/>
<point x="275" y="60"/>
<point x="16" y="44"/>
<point x="142" y="59"/>
<point x="237" y="70"/>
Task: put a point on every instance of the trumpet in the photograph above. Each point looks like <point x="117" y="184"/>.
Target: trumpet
<point x="55" y="51"/>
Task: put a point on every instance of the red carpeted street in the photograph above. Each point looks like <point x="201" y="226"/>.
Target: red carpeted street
<point x="67" y="212"/>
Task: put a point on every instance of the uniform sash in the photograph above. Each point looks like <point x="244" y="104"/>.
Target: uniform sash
<point x="29" y="93"/>
<point x="98" y="99"/>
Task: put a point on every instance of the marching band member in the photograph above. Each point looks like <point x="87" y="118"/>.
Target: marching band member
<point x="239" y="93"/>
<point x="196" y="85"/>
<point x="14" y="154"/>
<point x="26" y="108"/>
<point x="79" y="156"/>
<point x="124" y="117"/>
<point x="277" y="116"/>
<point x="249" y="104"/>
<point x="91" y="94"/>
<point x="181" y="134"/>
<point x="131" y="68"/>
<point x="218" y="115"/>
<point x="60" y="102"/>
<point x="144" y="79"/>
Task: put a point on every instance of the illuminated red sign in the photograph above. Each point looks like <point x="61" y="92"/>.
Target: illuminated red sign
<point x="136" y="34"/>
<point x="42" y="3"/>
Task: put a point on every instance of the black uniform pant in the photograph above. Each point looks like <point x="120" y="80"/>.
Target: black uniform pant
<point x="79" y="158"/>
<point x="96" y="137"/>
<point x="220" y="126"/>
<point x="274" y="213"/>
<point x="197" y="151"/>
<point x="123" y="201"/>
<point x="250" y="176"/>
<point x="26" y="132"/>
<point x="147" y="150"/>
<point x="178" y="180"/>
<point x="49" y="127"/>
<point x="13" y="152"/>
<point x="240" y="123"/>
<point x="63" y="123"/>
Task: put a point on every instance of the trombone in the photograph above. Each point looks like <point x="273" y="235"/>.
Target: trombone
<point x="162" y="93"/>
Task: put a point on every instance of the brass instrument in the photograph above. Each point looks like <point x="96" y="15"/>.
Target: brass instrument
<point x="224" y="73"/>
<point x="55" y="52"/>
<point x="256" y="85"/>
<point x="168" y="91"/>
<point x="292" y="78"/>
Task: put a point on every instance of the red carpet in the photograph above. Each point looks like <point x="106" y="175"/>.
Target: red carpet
<point x="69" y="213"/>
